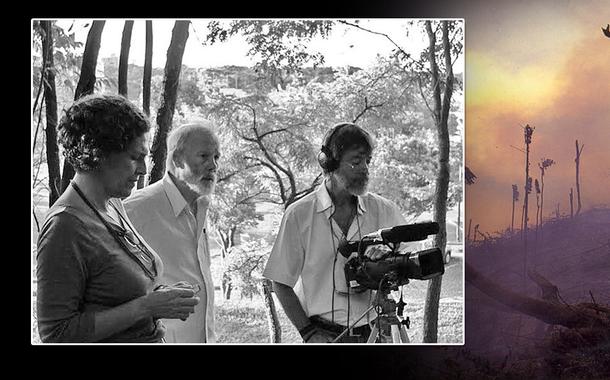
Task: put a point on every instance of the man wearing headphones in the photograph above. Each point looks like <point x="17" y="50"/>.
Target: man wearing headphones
<point x="304" y="265"/>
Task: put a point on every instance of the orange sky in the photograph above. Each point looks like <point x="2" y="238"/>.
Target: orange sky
<point x="546" y="64"/>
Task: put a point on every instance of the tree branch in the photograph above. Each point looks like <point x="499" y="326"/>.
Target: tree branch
<point x="406" y="55"/>
<point x="366" y="108"/>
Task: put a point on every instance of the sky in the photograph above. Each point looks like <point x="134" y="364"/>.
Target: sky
<point x="545" y="64"/>
<point x="345" y="46"/>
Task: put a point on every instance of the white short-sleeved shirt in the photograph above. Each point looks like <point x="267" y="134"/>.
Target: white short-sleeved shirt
<point x="303" y="254"/>
<point x="162" y="216"/>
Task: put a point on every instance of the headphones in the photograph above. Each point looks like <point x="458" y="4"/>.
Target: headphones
<point x="325" y="158"/>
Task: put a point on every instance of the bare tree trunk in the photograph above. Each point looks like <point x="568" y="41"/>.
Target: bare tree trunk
<point x="528" y="131"/>
<point x="571" y="316"/>
<point x="86" y="82"/>
<point x="146" y="83"/>
<point x="571" y="203"/>
<point x="50" y="97"/>
<point x="512" y="218"/>
<point x="147" y="68"/>
<point x="124" y="57"/>
<point x="469" y="225"/>
<point x="459" y="237"/>
<point x="541" y="202"/>
<point x="275" y="330"/>
<point x="165" y="114"/>
<point x="577" y="160"/>
<point x="441" y="111"/>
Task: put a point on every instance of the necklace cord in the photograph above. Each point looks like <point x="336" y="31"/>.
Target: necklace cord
<point x="113" y="232"/>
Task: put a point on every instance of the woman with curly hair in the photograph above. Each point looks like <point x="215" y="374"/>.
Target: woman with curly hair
<point x="97" y="277"/>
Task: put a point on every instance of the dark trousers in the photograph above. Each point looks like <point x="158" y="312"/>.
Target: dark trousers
<point x="355" y="335"/>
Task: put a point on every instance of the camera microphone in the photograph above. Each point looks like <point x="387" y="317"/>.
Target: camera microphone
<point x="404" y="233"/>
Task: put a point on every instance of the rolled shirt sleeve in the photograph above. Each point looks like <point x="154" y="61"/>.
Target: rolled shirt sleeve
<point x="285" y="263"/>
<point x="61" y="282"/>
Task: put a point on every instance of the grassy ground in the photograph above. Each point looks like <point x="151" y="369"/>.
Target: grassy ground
<point x="245" y="321"/>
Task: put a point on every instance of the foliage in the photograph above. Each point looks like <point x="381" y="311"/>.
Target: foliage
<point x="278" y="46"/>
<point x="245" y="264"/>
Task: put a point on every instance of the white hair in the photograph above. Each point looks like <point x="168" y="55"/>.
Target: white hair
<point x="178" y="136"/>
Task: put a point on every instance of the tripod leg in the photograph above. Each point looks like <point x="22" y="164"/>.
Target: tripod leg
<point x="403" y="335"/>
<point x="395" y="333"/>
<point x="373" y="335"/>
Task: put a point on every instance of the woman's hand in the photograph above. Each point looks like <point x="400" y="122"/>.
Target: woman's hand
<point x="170" y="303"/>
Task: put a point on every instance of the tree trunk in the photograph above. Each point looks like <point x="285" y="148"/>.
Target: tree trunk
<point x="275" y="330"/>
<point x="512" y="218"/>
<point x="571" y="316"/>
<point x="571" y="203"/>
<point x="577" y="160"/>
<point x="124" y="57"/>
<point x="50" y="97"/>
<point x="541" y="202"/>
<point x="165" y="114"/>
<point x="459" y="237"/>
<point x="146" y="83"/>
<point x="524" y="222"/>
<point x="441" y="111"/>
<point x="86" y="82"/>
<point x="147" y="68"/>
<point x="469" y="225"/>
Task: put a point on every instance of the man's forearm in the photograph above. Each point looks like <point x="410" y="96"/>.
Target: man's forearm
<point x="291" y="305"/>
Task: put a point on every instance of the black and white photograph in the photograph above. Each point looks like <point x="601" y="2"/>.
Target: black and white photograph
<point x="248" y="181"/>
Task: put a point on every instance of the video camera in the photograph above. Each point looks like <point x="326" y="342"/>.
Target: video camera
<point x="396" y="269"/>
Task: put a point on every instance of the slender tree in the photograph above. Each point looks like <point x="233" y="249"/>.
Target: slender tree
<point x="544" y="164"/>
<point x="571" y="202"/>
<point x="165" y="114"/>
<point x="515" y="199"/>
<point x="527" y="132"/>
<point x="537" y="187"/>
<point x="50" y="98"/>
<point x="441" y="114"/>
<point x="146" y="80"/>
<point x="577" y="160"/>
<point x="86" y="81"/>
<point x="124" y="57"/>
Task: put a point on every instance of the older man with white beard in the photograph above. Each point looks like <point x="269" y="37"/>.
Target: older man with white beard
<point x="304" y="265"/>
<point x="171" y="215"/>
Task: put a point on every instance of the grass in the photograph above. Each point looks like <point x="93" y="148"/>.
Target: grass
<point x="245" y="321"/>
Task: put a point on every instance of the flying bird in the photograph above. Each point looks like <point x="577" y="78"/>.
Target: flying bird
<point x="606" y="31"/>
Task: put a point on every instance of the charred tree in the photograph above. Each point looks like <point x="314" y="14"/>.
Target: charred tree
<point x="577" y="160"/>
<point x="571" y="203"/>
<point x="515" y="199"/>
<point x="590" y="318"/>
<point x="165" y="114"/>
<point x="86" y="82"/>
<point x="124" y="57"/>
<point x="50" y="98"/>
<point x="543" y="165"/>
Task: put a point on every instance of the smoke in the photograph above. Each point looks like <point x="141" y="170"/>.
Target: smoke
<point x="565" y="98"/>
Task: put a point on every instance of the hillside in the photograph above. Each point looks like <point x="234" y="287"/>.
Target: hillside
<point x="572" y="253"/>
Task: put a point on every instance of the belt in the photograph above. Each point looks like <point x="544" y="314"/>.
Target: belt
<point x="320" y="322"/>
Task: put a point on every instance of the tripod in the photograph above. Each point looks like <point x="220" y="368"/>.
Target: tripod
<point x="387" y="323"/>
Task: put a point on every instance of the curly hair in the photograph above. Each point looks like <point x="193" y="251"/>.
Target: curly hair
<point x="95" y="126"/>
